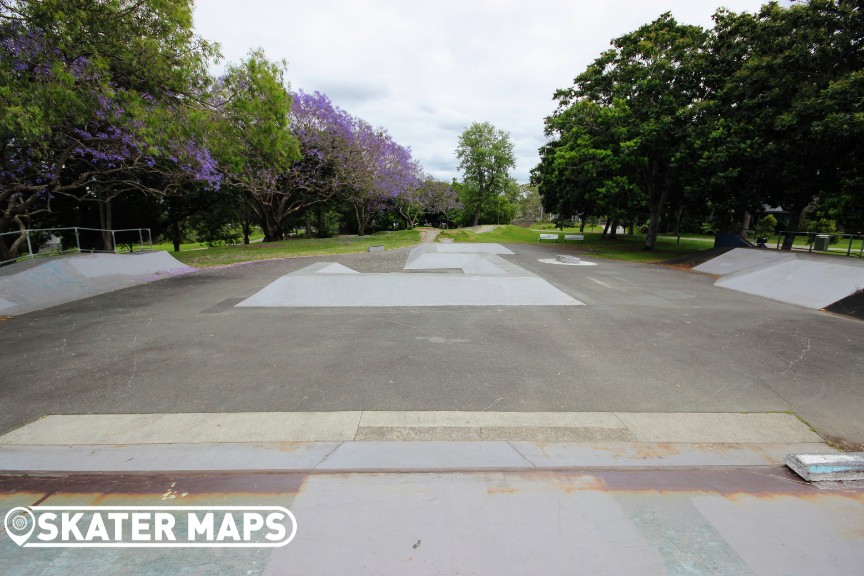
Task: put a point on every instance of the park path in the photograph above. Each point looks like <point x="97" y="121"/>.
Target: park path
<point x="428" y="234"/>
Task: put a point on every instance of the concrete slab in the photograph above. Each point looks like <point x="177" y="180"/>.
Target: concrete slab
<point x="202" y="428"/>
<point x="464" y="426"/>
<point x="827" y="467"/>
<point x="187" y="428"/>
<point x="740" y="259"/>
<point x="805" y="282"/>
<point x="708" y="427"/>
<point x="181" y="457"/>
<point x="47" y="283"/>
<point x="636" y="454"/>
<point x="398" y="290"/>
<point x="391" y="455"/>
<point x="423" y="456"/>
<point x="809" y="280"/>
<point x="489" y="280"/>
<point x="651" y="521"/>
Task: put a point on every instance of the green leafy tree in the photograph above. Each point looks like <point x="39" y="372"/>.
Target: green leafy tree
<point x="255" y="145"/>
<point x="485" y="158"/>
<point x="98" y="99"/>
<point x="789" y="104"/>
<point x="653" y="72"/>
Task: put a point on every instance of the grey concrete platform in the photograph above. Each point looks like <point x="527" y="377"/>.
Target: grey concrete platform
<point x="394" y="455"/>
<point x="203" y="428"/>
<point x="827" y="467"/>
<point x="486" y="280"/>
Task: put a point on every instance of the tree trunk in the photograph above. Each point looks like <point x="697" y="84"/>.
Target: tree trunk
<point x="175" y="235"/>
<point x="655" y="207"/>
<point x="322" y="222"/>
<point x="678" y="213"/>
<point x="794" y="223"/>
<point x="105" y="224"/>
<point x="308" y="222"/>
<point x="613" y="227"/>
<point x="606" y="229"/>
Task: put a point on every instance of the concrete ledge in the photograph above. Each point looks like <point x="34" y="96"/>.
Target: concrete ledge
<point x="510" y="433"/>
<point x="710" y="427"/>
<point x="202" y="428"/>
<point x="827" y="467"/>
<point x="390" y="455"/>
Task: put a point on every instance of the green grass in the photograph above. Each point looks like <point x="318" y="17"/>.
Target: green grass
<point x="221" y="255"/>
<point x="623" y="248"/>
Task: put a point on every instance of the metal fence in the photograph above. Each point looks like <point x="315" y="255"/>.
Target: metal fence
<point x="844" y="243"/>
<point x="43" y="242"/>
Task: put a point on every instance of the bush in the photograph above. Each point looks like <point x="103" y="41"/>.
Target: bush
<point x="766" y="227"/>
<point x="823" y="226"/>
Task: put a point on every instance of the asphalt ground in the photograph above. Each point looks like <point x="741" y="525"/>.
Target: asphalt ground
<point x="649" y="339"/>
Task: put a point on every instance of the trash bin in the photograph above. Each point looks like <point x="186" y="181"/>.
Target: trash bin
<point x="821" y="243"/>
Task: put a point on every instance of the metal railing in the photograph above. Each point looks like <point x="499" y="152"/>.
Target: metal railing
<point x="38" y="246"/>
<point x="811" y="241"/>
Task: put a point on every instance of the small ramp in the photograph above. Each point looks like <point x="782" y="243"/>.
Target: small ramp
<point x="36" y="285"/>
<point x="808" y="280"/>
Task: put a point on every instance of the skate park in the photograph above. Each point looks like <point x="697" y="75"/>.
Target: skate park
<point x="609" y="390"/>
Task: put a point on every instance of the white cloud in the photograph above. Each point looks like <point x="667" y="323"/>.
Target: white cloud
<point x="425" y="70"/>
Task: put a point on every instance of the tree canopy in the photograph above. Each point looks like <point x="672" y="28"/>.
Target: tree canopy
<point x="485" y="156"/>
<point x="763" y="108"/>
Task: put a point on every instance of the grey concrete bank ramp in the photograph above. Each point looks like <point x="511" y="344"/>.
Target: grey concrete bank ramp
<point x="38" y="284"/>
<point x="810" y="280"/>
<point x="481" y="278"/>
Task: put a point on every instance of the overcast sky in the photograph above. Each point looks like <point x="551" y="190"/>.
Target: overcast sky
<point x="425" y="70"/>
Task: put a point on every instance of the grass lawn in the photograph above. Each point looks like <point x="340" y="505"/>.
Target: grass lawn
<point x="623" y="248"/>
<point x="220" y="255"/>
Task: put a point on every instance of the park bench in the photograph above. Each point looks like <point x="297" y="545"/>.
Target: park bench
<point x="549" y="237"/>
<point x="580" y="237"/>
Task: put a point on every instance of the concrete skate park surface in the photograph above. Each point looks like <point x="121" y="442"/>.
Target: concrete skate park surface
<point x="640" y="433"/>
<point x="649" y="339"/>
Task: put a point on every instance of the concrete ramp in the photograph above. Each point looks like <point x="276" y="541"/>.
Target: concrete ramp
<point x="486" y="280"/>
<point x="743" y="259"/>
<point x="39" y="284"/>
<point x="809" y="280"/>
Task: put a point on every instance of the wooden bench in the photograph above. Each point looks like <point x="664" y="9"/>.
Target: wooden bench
<point x="574" y="237"/>
<point x="549" y="237"/>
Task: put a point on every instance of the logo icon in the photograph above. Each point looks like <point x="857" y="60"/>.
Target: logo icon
<point x="19" y="524"/>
